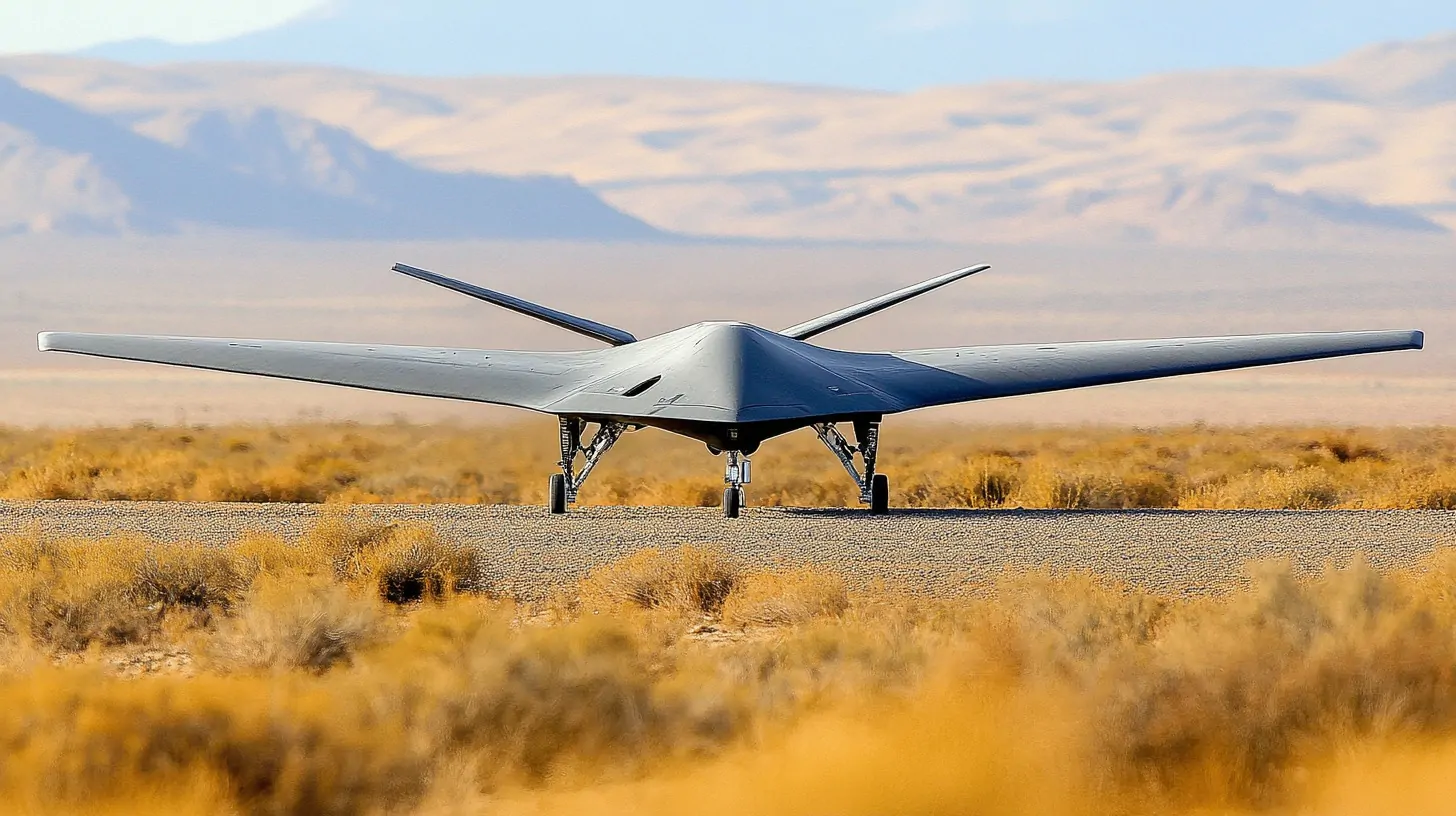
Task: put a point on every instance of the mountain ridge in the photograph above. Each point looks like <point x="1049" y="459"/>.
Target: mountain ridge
<point x="1349" y="152"/>
<point x="121" y="180"/>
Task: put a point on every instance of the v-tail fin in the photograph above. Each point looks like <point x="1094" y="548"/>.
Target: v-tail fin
<point x="580" y="325"/>
<point x="834" y="320"/>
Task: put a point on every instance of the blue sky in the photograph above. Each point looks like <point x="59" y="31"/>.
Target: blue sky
<point x="867" y="43"/>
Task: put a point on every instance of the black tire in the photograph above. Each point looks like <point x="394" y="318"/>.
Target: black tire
<point x="558" y="495"/>
<point x="880" y="495"/>
<point x="732" y="502"/>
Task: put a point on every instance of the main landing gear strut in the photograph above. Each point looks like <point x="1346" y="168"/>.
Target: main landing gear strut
<point x="874" y="488"/>
<point x="566" y="484"/>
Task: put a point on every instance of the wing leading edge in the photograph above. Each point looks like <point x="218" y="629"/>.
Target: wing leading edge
<point x="985" y="372"/>
<point x="523" y="379"/>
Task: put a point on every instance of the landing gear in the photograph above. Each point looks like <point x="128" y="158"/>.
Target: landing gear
<point x="874" y="489"/>
<point x="880" y="495"/>
<point x="732" y="502"/>
<point x="558" y="495"/>
<point x="566" y="484"/>
<point x="738" y="473"/>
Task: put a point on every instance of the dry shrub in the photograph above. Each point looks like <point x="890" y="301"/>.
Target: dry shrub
<point x="287" y="745"/>
<point x="685" y="579"/>
<point x="192" y="576"/>
<point x="1080" y="489"/>
<point x="1304" y="489"/>
<point x="540" y="702"/>
<point x="1233" y="695"/>
<point x="1066" y="624"/>
<point x="268" y="554"/>
<point x="70" y="594"/>
<point x="311" y="625"/>
<point x="785" y="598"/>
<point x="1421" y="491"/>
<point x="991" y="752"/>
<point x="1038" y="693"/>
<point x="403" y="563"/>
<point x="929" y="466"/>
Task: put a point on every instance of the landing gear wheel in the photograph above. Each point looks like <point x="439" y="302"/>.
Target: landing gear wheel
<point x="558" y="495"/>
<point x="732" y="502"/>
<point x="880" y="495"/>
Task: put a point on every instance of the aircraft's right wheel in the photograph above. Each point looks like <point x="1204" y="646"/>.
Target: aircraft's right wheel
<point x="880" y="495"/>
<point x="558" y="495"/>
<point x="732" y="502"/>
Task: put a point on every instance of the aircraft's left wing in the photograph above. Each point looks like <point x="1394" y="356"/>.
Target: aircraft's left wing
<point x="941" y="376"/>
<point x="524" y="379"/>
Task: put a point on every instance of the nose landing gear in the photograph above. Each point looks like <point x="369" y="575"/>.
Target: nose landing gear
<point x="738" y="473"/>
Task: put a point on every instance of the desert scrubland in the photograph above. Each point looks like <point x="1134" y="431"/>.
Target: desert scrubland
<point x="947" y="466"/>
<point x="375" y="669"/>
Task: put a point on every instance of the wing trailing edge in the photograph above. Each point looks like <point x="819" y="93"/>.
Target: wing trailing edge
<point x="834" y="320"/>
<point x="580" y="325"/>
<point x="986" y="372"/>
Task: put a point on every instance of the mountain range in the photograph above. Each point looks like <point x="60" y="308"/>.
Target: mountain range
<point x="1352" y="152"/>
<point x="65" y="169"/>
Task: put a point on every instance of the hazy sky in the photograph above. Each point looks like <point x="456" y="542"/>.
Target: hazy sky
<point x="869" y="43"/>
<point x="66" y="25"/>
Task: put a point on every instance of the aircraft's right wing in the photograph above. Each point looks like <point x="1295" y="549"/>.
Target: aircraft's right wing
<point x="524" y="379"/>
<point x="943" y="376"/>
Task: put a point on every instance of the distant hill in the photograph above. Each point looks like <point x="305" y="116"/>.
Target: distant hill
<point x="63" y="169"/>
<point x="1355" y="152"/>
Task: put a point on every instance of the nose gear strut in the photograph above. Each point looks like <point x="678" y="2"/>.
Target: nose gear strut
<point x="738" y="473"/>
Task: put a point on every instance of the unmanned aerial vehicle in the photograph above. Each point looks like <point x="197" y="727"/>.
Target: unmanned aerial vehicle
<point x="730" y="385"/>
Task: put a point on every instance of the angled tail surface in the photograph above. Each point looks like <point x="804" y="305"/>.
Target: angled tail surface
<point x="834" y="320"/>
<point x="580" y="325"/>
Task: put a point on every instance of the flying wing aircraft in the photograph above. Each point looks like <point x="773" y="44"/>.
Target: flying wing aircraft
<point x="729" y="385"/>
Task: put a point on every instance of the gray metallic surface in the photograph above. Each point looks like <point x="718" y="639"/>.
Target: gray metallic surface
<point x="834" y="320"/>
<point x="729" y="374"/>
<point x="728" y="384"/>
<point x="580" y="325"/>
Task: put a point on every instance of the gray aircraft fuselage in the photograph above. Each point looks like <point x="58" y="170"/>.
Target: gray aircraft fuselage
<point x="729" y="385"/>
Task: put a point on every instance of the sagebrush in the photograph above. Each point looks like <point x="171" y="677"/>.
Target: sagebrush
<point x="679" y="679"/>
<point x="929" y="466"/>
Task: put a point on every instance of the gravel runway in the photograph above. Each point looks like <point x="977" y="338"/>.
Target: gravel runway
<point x="529" y="552"/>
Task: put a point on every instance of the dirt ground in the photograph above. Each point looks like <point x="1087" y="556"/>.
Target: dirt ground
<point x="531" y="553"/>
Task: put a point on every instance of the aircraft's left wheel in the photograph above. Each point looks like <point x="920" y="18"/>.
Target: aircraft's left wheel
<point x="880" y="495"/>
<point x="732" y="502"/>
<point x="558" y="495"/>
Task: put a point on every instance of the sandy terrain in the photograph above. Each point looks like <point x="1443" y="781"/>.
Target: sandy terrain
<point x="234" y="287"/>
<point x="1274" y="157"/>
<point x="530" y="552"/>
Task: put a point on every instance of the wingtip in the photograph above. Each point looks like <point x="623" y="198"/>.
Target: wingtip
<point x="45" y="341"/>
<point x="1418" y="339"/>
